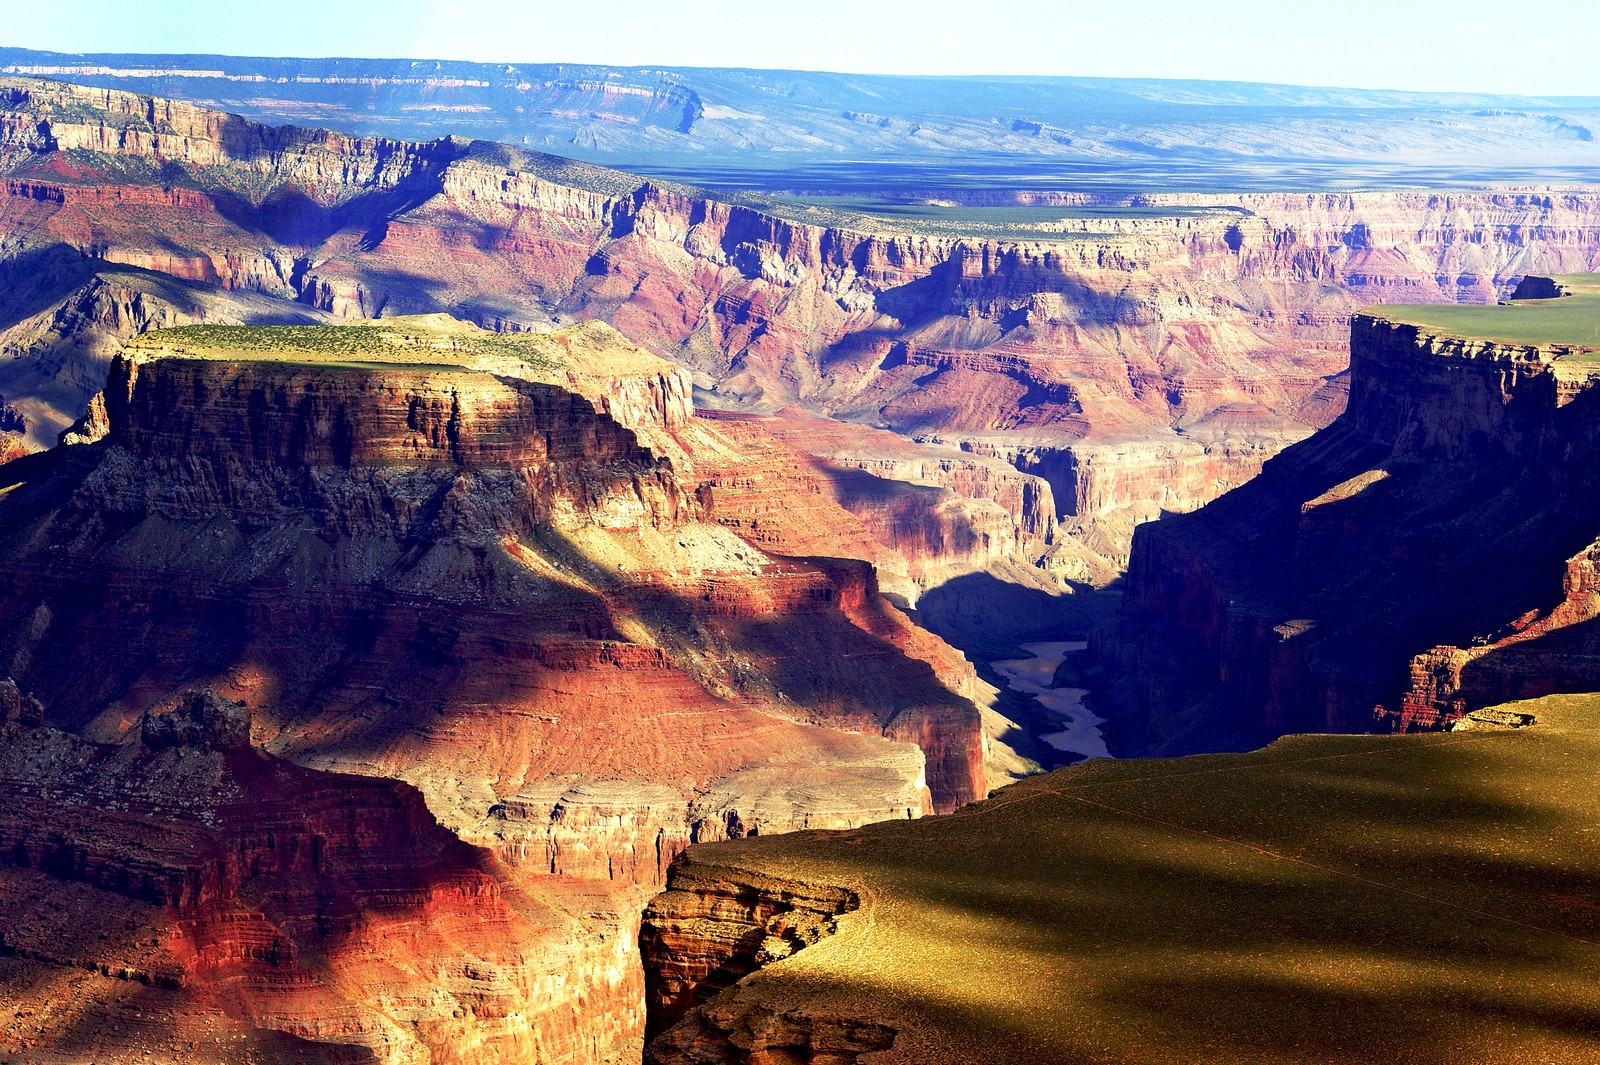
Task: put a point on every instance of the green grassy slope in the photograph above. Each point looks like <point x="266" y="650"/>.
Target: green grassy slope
<point x="1430" y="898"/>
<point x="425" y="342"/>
<point x="1571" y="320"/>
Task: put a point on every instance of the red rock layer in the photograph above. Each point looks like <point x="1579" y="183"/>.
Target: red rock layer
<point x="942" y="509"/>
<point x="206" y="902"/>
<point x="508" y="593"/>
<point x="411" y="501"/>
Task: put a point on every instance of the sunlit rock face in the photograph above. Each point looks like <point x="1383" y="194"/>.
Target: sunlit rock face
<point x="1138" y="365"/>
<point x="1430" y="553"/>
<point x="515" y="583"/>
<point x="186" y="896"/>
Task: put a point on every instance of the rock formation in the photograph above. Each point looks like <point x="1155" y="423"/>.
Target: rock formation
<point x="506" y="570"/>
<point x="1430" y="553"/>
<point x="1135" y="364"/>
<point x="185" y="896"/>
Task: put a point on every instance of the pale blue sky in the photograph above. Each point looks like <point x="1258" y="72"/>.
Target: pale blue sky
<point x="1544" y="48"/>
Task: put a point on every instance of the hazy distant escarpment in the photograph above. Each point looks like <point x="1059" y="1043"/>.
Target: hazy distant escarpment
<point x="761" y="122"/>
<point x="1429" y="553"/>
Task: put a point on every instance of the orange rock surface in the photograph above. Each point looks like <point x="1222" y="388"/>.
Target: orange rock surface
<point x="504" y="583"/>
<point x="188" y="897"/>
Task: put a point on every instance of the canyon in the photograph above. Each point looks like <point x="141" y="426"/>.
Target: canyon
<point x="1053" y="387"/>
<point x="418" y="555"/>
<point x="497" y="578"/>
<point x="1423" y="565"/>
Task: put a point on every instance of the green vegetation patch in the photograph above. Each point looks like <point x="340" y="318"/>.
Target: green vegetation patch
<point x="1571" y="320"/>
<point x="1428" y="899"/>
<point x="430" y="343"/>
<point x="893" y="216"/>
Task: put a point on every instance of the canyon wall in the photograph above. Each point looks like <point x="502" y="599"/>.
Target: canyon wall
<point x="186" y="896"/>
<point x="517" y="582"/>
<point x="1138" y="364"/>
<point x="1428" y="554"/>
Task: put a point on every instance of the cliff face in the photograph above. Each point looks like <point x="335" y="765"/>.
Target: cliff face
<point x="63" y="318"/>
<point x="499" y="577"/>
<point x="1427" y="554"/>
<point x="404" y="498"/>
<point x="1186" y="348"/>
<point x="708" y="931"/>
<point x="208" y="902"/>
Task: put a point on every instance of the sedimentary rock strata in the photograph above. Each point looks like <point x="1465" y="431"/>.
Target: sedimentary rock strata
<point x="184" y="895"/>
<point x="1187" y="348"/>
<point x="1428" y="554"/>
<point x="492" y="568"/>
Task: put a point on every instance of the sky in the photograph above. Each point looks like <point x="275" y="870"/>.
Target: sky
<point x="1542" y="49"/>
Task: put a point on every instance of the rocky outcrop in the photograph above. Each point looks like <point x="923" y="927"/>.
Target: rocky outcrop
<point x="1428" y="554"/>
<point x="197" y="719"/>
<point x="712" y="928"/>
<point x="18" y="711"/>
<point x="706" y="932"/>
<point x="489" y="568"/>
<point x="235" y="907"/>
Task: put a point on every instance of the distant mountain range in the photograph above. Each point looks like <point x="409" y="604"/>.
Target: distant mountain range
<point x="731" y="123"/>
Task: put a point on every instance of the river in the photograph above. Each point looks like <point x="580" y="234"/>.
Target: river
<point x="1080" y="729"/>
